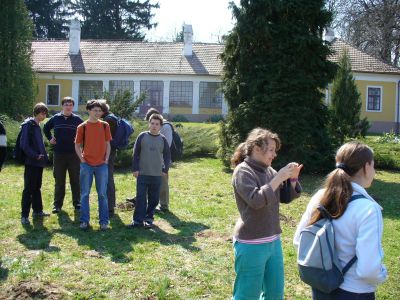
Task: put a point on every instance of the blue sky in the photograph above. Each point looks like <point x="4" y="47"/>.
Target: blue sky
<point x="210" y="19"/>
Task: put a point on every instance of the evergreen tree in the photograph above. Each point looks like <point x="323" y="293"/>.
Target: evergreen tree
<point x="17" y="91"/>
<point x="275" y="67"/>
<point x="123" y="104"/>
<point x="49" y="17"/>
<point x="115" y="19"/>
<point x="346" y="103"/>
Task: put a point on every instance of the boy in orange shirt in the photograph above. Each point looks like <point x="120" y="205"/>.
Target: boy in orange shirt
<point x="92" y="145"/>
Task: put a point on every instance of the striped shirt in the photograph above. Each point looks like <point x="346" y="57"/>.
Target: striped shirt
<point x="267" y="239"/>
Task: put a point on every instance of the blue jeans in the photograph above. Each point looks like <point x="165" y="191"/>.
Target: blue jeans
<point x="340" y="294"/>
<point x="147" y="198"/>
<point x="86" y="178"/>
<point x="259" y="271"/>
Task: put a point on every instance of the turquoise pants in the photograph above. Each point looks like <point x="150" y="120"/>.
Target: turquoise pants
<point x="259" y="271"/>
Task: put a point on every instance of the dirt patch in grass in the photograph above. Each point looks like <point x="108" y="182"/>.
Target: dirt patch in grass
<point x="211" y="234"/>
<point x="288" y="220"/>
<point x="33" y="290"/>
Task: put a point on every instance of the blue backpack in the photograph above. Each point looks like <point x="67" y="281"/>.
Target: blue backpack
<point x="122" y="133"/>
<point x="317" y="259"/>
<point x="19" y="154"/>
<point x="176" y="145"/>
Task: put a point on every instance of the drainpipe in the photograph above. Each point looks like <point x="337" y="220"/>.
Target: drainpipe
<point x="398" y="108"/>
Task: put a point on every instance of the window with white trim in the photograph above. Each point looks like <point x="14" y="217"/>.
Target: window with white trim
<point x="374" y="99"/>
<point x="53" y="94"/>
<point x="122" y="86"/>
<point x="181" y="93"/>
<point x="210" y="95"/>
<point x="90" y="89"/>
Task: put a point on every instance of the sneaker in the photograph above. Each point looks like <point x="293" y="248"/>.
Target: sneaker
<point x="25" y="221"/>
<point x="40" y="214"/>
<point x="131" y="200"/>
<point x="84" y="225"/>
<point x="135" y="225"/>
<point x="56" y="210"/>
<point x="103" y="227"/>
<point x="148" y="225"/>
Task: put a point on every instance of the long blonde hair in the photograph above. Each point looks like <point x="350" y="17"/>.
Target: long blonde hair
<point x="350" y="158"/>
<point x="257" y="137"/>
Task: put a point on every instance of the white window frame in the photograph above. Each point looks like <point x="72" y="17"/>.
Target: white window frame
<point x="381" y="100"/>
<point x="59" y="94"/>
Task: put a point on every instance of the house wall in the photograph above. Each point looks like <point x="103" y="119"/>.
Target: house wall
<point x="69" y="86"/>
<point x="384" y="120"/>
<point x="65" y="90"/>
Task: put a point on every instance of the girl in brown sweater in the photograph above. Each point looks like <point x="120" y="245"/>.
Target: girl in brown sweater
<point x="257" y="245"/>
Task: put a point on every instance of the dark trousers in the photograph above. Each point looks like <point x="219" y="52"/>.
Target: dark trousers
<point x="340" y="294"/>
<point x="146" y="187"/>
<point x="32" y="196"/>
<point x="111" y="184"/>
<point x="62" y="163"/>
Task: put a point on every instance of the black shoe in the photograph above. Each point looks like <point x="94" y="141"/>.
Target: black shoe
<point x="135" y="225"/>
<point x="25" y="221"/>
<point x="148" y="225"/>
<point x="56" y="210"/>
<point x="131" y="200"/>
<point x="40" y="214"/>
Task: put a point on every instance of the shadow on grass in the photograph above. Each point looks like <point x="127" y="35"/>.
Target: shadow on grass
<point x="37" y="237"/>
<point x="119" y="241"/>
<point x="387" y="195"/>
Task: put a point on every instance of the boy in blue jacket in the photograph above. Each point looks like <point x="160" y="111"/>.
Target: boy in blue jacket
<point x="36" y="159"/>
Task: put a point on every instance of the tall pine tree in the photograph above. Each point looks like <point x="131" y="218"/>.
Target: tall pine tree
<point x="346" y="103"/>
<point x="275" y="67"/>
<point x="115" y="19"/>
<point x="50" y="17"/>
<point x="16" y="76"/>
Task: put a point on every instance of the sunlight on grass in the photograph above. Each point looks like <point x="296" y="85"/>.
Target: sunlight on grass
<point x="188" y="255"/>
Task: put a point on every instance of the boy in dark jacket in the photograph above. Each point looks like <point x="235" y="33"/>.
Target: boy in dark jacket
<point x="36" y="160"/>
<point x="64" y="126"/>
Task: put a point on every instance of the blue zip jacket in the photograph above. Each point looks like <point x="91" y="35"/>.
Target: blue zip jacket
<point x="32" y="143"/>
<point x="64" y="131"/>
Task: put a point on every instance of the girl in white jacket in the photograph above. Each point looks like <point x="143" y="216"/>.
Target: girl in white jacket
<point x="358" y="225"/>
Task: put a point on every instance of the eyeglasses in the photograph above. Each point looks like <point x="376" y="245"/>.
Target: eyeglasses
<point x="97" y="110"/>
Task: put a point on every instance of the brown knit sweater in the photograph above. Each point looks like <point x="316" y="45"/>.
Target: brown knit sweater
<point x="258" y="204"/>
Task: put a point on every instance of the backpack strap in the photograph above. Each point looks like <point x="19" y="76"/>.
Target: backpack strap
<point x="172" y="126"/>
<point x="355" y="197"/>
<point x="324" y="212"/>
<point x="354" y="259"/>
<point x="349" y="264"/>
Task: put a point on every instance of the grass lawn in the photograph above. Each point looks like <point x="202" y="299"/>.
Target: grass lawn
<point x="188" y="255"/>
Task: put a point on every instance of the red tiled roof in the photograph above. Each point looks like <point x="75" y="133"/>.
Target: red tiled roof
<point x="126" y="57"/>
<point x="360" y="61"/>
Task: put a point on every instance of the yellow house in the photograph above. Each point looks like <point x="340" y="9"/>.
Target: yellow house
<point x="378" y="84"/>
<point x="180" y="78"/>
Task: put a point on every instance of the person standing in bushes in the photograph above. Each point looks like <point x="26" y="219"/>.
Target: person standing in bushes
<point x="32" y="145"/>
<point x="112" y="120"/>
<point x="3" y="145"/>
<point x="257" y="244"/>
<point x="151" y="159"/>
<point x="92" y="145"/>
<point x="64" y="126"/>
<point x="358" y="224"/>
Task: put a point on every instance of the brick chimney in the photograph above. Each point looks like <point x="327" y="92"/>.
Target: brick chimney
<point x="74" y="37"/>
